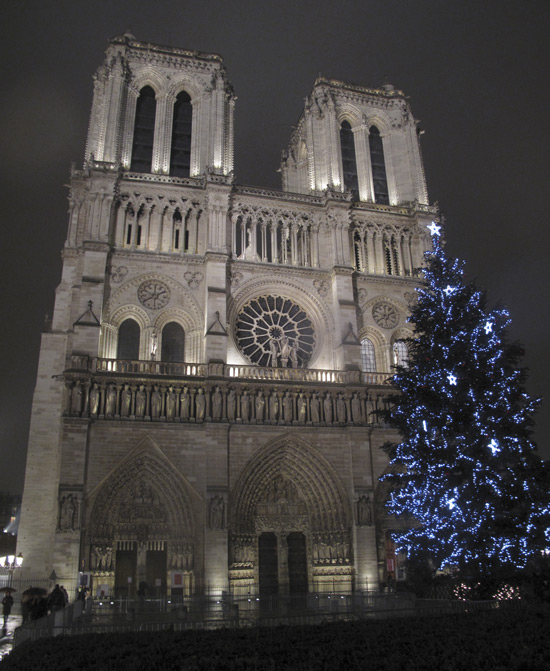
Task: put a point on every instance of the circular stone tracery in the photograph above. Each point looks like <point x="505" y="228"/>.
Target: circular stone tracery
<point x="385" y="315"/>
<point x="153" y="294"/>
<point x="275" y="331"/>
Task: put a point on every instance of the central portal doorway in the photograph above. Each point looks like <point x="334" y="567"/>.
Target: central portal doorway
<point x="283" y="567"/>
<point x="268" y="565"/>
<point x="155" y="573"/>
<point x="297" y="563"/>
<point x="125" y="573"/>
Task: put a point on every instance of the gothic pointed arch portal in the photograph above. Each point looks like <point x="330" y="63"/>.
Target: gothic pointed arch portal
<point x="142" y="527"/>
<point x="290" y="523"/>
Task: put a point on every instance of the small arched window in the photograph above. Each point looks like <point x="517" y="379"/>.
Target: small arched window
<point x="357" y="251"/>
<point x="368" y="356"/>
<point x="173" y="337"/>
<point x="378" y="165"/>
<point x="349" y="162"/>
<point x="180" y="152"/>
<point x="400" y="354"/>
<point x="144" y="131"/>
<point x="388" y="256"/>
<point x="128" y="340"/>
<point x="179" y="233"/>
<point x="395" y="257"/>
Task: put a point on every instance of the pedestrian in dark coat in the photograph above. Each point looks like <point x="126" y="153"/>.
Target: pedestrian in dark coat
<point x="56" y="600"/>
<point x="7" y="603"/>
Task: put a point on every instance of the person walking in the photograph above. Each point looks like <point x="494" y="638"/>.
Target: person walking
<point x="7" y="603"/>
<point x="56" y="600"/>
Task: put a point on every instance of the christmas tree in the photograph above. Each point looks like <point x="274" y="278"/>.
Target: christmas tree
<point x="466" y="476"/>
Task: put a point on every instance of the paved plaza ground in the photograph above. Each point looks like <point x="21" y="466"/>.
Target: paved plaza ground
<point x="6" y="642"/>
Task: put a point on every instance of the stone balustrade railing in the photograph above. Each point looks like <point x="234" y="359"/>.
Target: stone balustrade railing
<point x="203" y="370"/>
<point x="160" y="368"/>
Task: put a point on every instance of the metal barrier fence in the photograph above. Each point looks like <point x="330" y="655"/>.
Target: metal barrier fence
<point x="196" y="613"/>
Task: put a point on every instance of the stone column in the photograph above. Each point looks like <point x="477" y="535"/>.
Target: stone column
<point x="274" y="249"/>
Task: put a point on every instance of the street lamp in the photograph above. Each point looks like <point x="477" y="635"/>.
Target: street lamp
<point x="10" y="563"/>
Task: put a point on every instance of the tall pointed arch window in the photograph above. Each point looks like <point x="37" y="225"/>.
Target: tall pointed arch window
<point x="144" y="131"/>
<point x="128" y="340"/>
<point x="378" y="165"/>
<point x="180" y="152"/>
<point x="349" y="162"/>
<point x="368" y="356"/>
<point x="173" y="338"/>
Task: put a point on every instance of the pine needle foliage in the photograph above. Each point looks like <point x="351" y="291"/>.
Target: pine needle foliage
<point x="466" y="471"/>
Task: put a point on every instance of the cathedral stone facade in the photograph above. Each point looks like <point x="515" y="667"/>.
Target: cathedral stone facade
<point x="207" y="413"/>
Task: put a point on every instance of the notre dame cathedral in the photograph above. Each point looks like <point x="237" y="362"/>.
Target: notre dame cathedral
<point x="208" y="405"/>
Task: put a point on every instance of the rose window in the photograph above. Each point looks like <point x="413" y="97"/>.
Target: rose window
<point x="275" y="331"/>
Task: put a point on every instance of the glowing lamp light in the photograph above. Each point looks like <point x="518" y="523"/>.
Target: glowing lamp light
<point x="449" y="290"/>
<point x="424" y="425"/>
<point x="452" y="379"/>
<point x="8" y="561"/>
<point x="11" y="562"/>
<point x="488" y="327"/>
<point x="451" y="503"/>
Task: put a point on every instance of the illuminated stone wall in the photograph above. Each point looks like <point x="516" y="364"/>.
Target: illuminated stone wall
<point x="269" y="429"/>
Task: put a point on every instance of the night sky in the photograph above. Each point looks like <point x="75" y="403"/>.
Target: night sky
<point x="476" y="74"/>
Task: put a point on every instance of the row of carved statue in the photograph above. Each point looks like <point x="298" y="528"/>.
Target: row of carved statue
<point x="329" y="548"/>
<point x="180" y="558"/>
<point x="196" y="403"/>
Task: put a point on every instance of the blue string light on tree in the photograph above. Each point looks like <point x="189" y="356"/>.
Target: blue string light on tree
<point x="493" y="446"/>
<point x="463" y="381"/>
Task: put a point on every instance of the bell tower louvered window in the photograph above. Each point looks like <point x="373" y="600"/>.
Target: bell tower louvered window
<point x="349" y="162"/>
<point x="380" y="183"/>
<point x="128" y="340"/>
<point x="180" y="153"/>
<point x="144" y="131"/>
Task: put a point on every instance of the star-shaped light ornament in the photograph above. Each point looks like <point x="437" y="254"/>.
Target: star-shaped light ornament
<point x="449" y="290"/>
<point x="493" y="446"/>
<point x="452" y="379"/>
<point x="488" y="327"/>
<point x="434" y="229"/>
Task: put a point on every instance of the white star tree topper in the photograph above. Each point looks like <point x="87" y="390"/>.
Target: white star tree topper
<point x="434" y="229"/>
